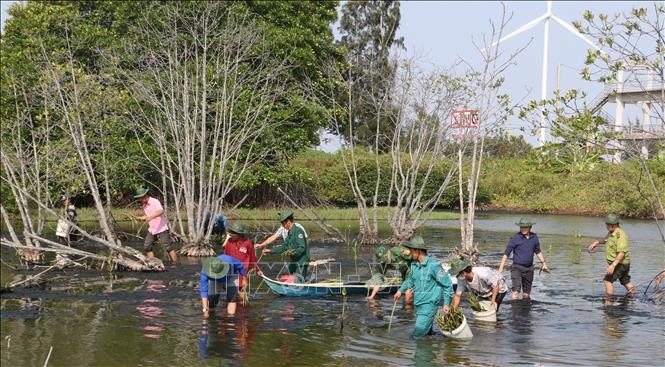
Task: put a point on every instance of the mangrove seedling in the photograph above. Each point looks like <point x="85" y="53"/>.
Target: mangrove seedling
<point x="392" y="313"/>
<point x="450" y="321"/>
<point x="474" y="302"/>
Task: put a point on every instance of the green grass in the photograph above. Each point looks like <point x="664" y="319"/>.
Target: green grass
<point x="326" y="213"/>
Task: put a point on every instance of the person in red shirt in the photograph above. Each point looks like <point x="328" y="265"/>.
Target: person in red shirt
<point x="239" y="247"/>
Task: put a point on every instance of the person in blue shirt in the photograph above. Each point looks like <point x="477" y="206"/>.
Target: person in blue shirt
<point x="431" y="285"/>
<point x="220" y="274"/>
<point x="523" y="245"/>
<point x="218" y="221"/>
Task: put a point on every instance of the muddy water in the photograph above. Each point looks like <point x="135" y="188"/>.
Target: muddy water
<point x="131" y="319"/>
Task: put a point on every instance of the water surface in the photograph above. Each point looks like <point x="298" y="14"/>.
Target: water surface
<point x="145" y="319"/>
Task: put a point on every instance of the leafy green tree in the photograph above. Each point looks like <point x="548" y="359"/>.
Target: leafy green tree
<point x="580" y="137"/>
<point x="369" y="30"/>
<point x="633" y="53"/>
<point x="88" y="30"/>
<point x="300" y="33"/>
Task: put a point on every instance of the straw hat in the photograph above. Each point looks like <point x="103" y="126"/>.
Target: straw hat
<point x="525" y="222"/>
<point x="237" y="228"/>
<point x="612" y="219"/>
<point x="416" y="242"/>
<point x="215" y="268"/>
<point x="285" y="215"/>
<point x="140" y="192"/>
<point x="381" y="254"/>
<point x="457" y="266"/>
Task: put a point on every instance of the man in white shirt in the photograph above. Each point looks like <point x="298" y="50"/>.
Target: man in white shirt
<point x="485" y="282"/>
<point x="281" y="232"/>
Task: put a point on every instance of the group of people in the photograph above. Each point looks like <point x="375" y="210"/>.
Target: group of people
<point x="427" y="284"/>
<point x="228" y="272"/>
<point x="424" y="281"/>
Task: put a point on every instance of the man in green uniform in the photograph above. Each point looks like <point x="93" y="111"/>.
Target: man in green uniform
<point x="294" y="246"/>
<point x="616" y="253"/>
<point x="431" y="286"/>
<point x="397" y="258"/>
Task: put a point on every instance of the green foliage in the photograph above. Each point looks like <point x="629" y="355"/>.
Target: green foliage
<point x="93" y="30"/>
<point x="368" y="30"/>
<point x="579" y="136"/>
<point x="520" y="184"/>
<point x="300" y="32"/>
<point x="315" y="177"/>
<point x="627" y="39"/>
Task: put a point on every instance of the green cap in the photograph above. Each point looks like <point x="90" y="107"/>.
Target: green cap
<point x="284" y="215"/>
<point x="140" y="192"/>
<point x="457" y="266"/>
<point x="381" y="254"/>
<point x="237" y="228"/>
<point x="215" y="268"/>
<point x="415" y="242"/>
<point x="612" y="219"/>
<point x="525" y="222"/>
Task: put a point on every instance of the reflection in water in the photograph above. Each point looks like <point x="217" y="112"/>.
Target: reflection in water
<point x="575" y="330"/>
<point x="151" y="310"/>
<point x="615" y="317"/>
<point x="232" y="335"/>
<point x="425" y="353"/>
<point x="521" y="324"/>
<point x="521" y="317"/>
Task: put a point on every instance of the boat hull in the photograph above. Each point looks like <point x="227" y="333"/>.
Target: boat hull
<point x="325" y="289"/>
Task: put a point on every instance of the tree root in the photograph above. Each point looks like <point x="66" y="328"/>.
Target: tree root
<point x="151" y="264"/>
<point x="197" y="251"/>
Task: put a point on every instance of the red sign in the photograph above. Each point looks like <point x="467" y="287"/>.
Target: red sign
<point x="464" y="119"/>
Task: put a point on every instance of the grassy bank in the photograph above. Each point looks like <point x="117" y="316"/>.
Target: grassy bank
<point x="326" y="213"/>
<point x="515" y="185"/>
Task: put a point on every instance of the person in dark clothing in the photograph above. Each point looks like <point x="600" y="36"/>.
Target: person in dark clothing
<point x="523" y="245"/>
<point x="294" y="247"/>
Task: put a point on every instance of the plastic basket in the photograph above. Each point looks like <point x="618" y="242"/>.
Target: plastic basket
<point x="487" y="316"/>
<point x="462" y="332"/>
<point x="287" y="278"/>
<point x="63" y="229"/>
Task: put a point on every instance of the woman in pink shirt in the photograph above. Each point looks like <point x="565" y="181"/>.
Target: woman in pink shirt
<point x="158" y="228"/>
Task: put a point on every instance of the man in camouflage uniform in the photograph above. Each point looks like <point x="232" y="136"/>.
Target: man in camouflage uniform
<point x="397" y="258"/>
<point x="617" y="255"/>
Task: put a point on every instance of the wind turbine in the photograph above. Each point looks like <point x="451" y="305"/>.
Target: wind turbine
<point x="546" y="19"/>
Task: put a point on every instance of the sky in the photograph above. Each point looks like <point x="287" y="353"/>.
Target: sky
<point x="442" y="32"/>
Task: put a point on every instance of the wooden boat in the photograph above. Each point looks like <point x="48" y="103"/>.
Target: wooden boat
<point x="321" y="289"/>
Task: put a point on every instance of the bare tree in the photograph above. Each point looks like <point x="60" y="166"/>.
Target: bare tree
<point x="413" y="108"/>
<point x="205" y="83"/>
<point x="424" y="100"/>
<point x="25" y="157"/>
<point x="74" y="97"/>
<point x="492" y="110"/>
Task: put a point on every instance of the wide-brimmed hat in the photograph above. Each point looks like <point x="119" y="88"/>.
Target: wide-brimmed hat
<point x="237" y="228"/>
<point x="415" y="242"/>
<point x="381" y="254"/>
<point x="282" y="216"/>
<point x="215" y="268"/>
<point x="612" y="219"/>
<point x="140" y="192"/>
<point x="457" y="266"/>
<point x="525" y="222"/>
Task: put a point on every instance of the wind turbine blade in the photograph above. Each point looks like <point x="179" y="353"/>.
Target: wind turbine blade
<point x="521" y="29"/>
<point x="574" y="31"/>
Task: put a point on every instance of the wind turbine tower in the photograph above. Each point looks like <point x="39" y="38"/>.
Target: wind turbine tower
<point x="545" y="18"/>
